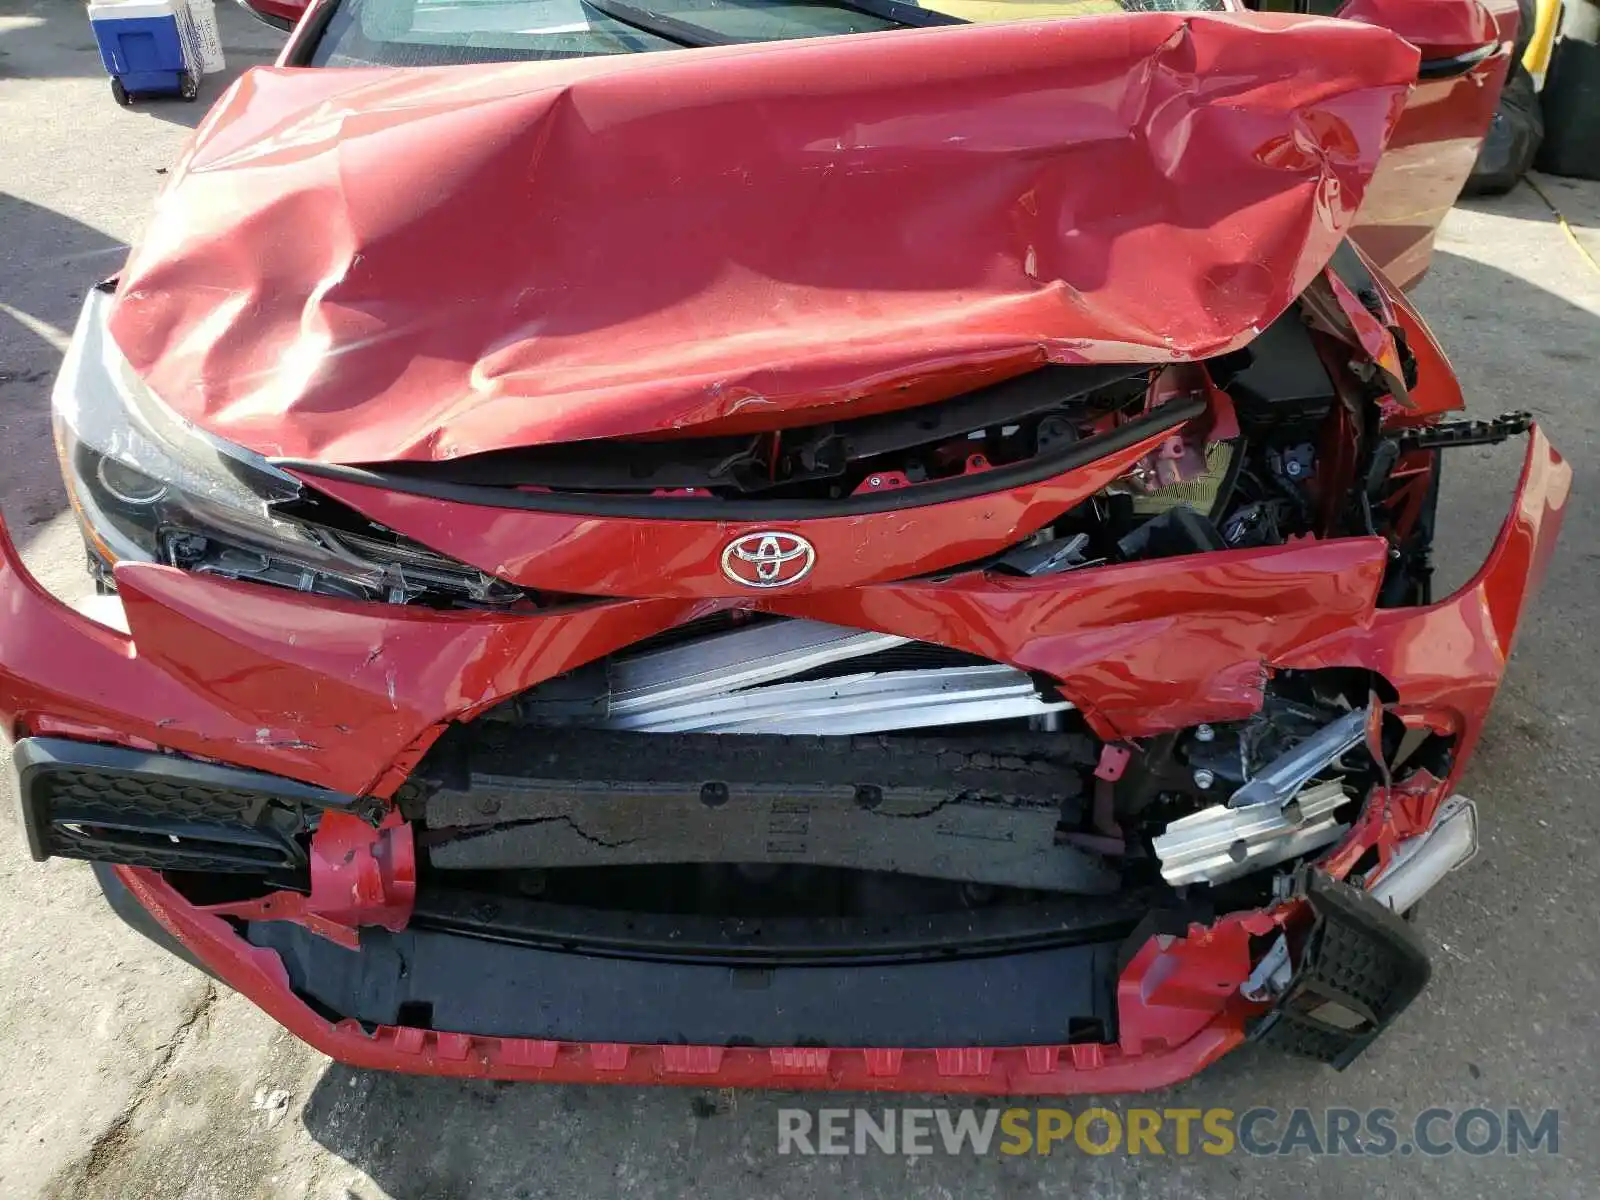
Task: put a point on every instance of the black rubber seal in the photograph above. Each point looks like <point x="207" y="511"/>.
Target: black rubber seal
<point x="1456" y="64"/>
<point x="780" y="941"/>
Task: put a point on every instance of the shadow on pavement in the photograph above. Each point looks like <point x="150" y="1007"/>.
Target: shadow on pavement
<point x="51" y="39"/>
<point x="49" y="262"/>
<point x="420" y="1139"/>
<point x="46" y="39"/>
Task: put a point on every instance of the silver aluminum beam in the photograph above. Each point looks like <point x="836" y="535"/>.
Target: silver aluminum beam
<point x="865" y="703"/>
<point x="1220" y="843"/>
<point x="726" y="662"/>
<point x="1288" y="773"/>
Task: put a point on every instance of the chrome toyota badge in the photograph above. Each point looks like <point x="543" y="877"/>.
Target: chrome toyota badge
<point x="768" y="559"/>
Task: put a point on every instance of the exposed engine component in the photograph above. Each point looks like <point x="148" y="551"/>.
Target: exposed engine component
<point x="1037" y="415"/>
<point x="1281" y="779"/>
<point x="1278" y="381"/>
<point x="1047" y="556"/>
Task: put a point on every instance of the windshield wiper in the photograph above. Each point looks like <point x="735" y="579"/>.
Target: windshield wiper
<point x="900" y="12"/>
<point x="687" y="33"/>
<point x="684" y="33"/>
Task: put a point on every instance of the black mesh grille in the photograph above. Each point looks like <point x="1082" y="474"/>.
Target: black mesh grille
<point x="1362" y="965"/>
<point x="113" y="794"/>
<point x="189" y="857"/>
<point x="108" y="804"/>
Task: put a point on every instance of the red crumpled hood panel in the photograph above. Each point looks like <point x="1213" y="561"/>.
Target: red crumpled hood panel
<point x="370" y="265"/>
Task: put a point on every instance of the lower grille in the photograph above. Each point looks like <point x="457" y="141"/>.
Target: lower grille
<point x="1360" y="967"/>
<point x="113" y="805"/>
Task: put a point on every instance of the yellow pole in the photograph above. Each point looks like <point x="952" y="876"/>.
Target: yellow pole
<point x="1536" y="58"/>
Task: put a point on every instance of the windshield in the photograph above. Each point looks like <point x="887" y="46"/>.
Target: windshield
<point x="440" y="32"/>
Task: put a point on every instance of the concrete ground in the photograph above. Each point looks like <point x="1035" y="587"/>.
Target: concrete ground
<point x="123" y="1072"/>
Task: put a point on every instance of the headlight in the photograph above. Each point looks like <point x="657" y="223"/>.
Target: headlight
<point x="148" y="486"/>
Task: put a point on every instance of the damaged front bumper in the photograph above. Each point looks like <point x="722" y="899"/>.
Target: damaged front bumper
<point x="230" y="704"/>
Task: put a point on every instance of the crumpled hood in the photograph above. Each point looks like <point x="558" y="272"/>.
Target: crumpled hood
<point x="365" y="265"/>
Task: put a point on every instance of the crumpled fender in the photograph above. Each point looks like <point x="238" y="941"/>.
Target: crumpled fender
<point x="358" y="266"/>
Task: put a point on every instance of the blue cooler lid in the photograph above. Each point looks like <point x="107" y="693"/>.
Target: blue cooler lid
<point x="125" y="10"/>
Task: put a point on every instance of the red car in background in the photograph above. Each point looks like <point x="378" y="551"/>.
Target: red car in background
<point x="822" y="545"/>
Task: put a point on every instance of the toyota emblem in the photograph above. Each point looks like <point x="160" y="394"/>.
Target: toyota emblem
<point x="768" y="559"/>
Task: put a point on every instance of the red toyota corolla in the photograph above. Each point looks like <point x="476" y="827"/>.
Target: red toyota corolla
<point x="655" y="545"/>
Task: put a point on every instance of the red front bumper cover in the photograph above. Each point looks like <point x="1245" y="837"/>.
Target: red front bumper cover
<point x="353" y="699"/>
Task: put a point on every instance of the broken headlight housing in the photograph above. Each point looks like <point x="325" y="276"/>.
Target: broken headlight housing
<point x="148" y="486"/>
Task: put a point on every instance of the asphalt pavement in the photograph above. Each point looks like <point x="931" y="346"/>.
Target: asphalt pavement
<point x="125" y="1073"/>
